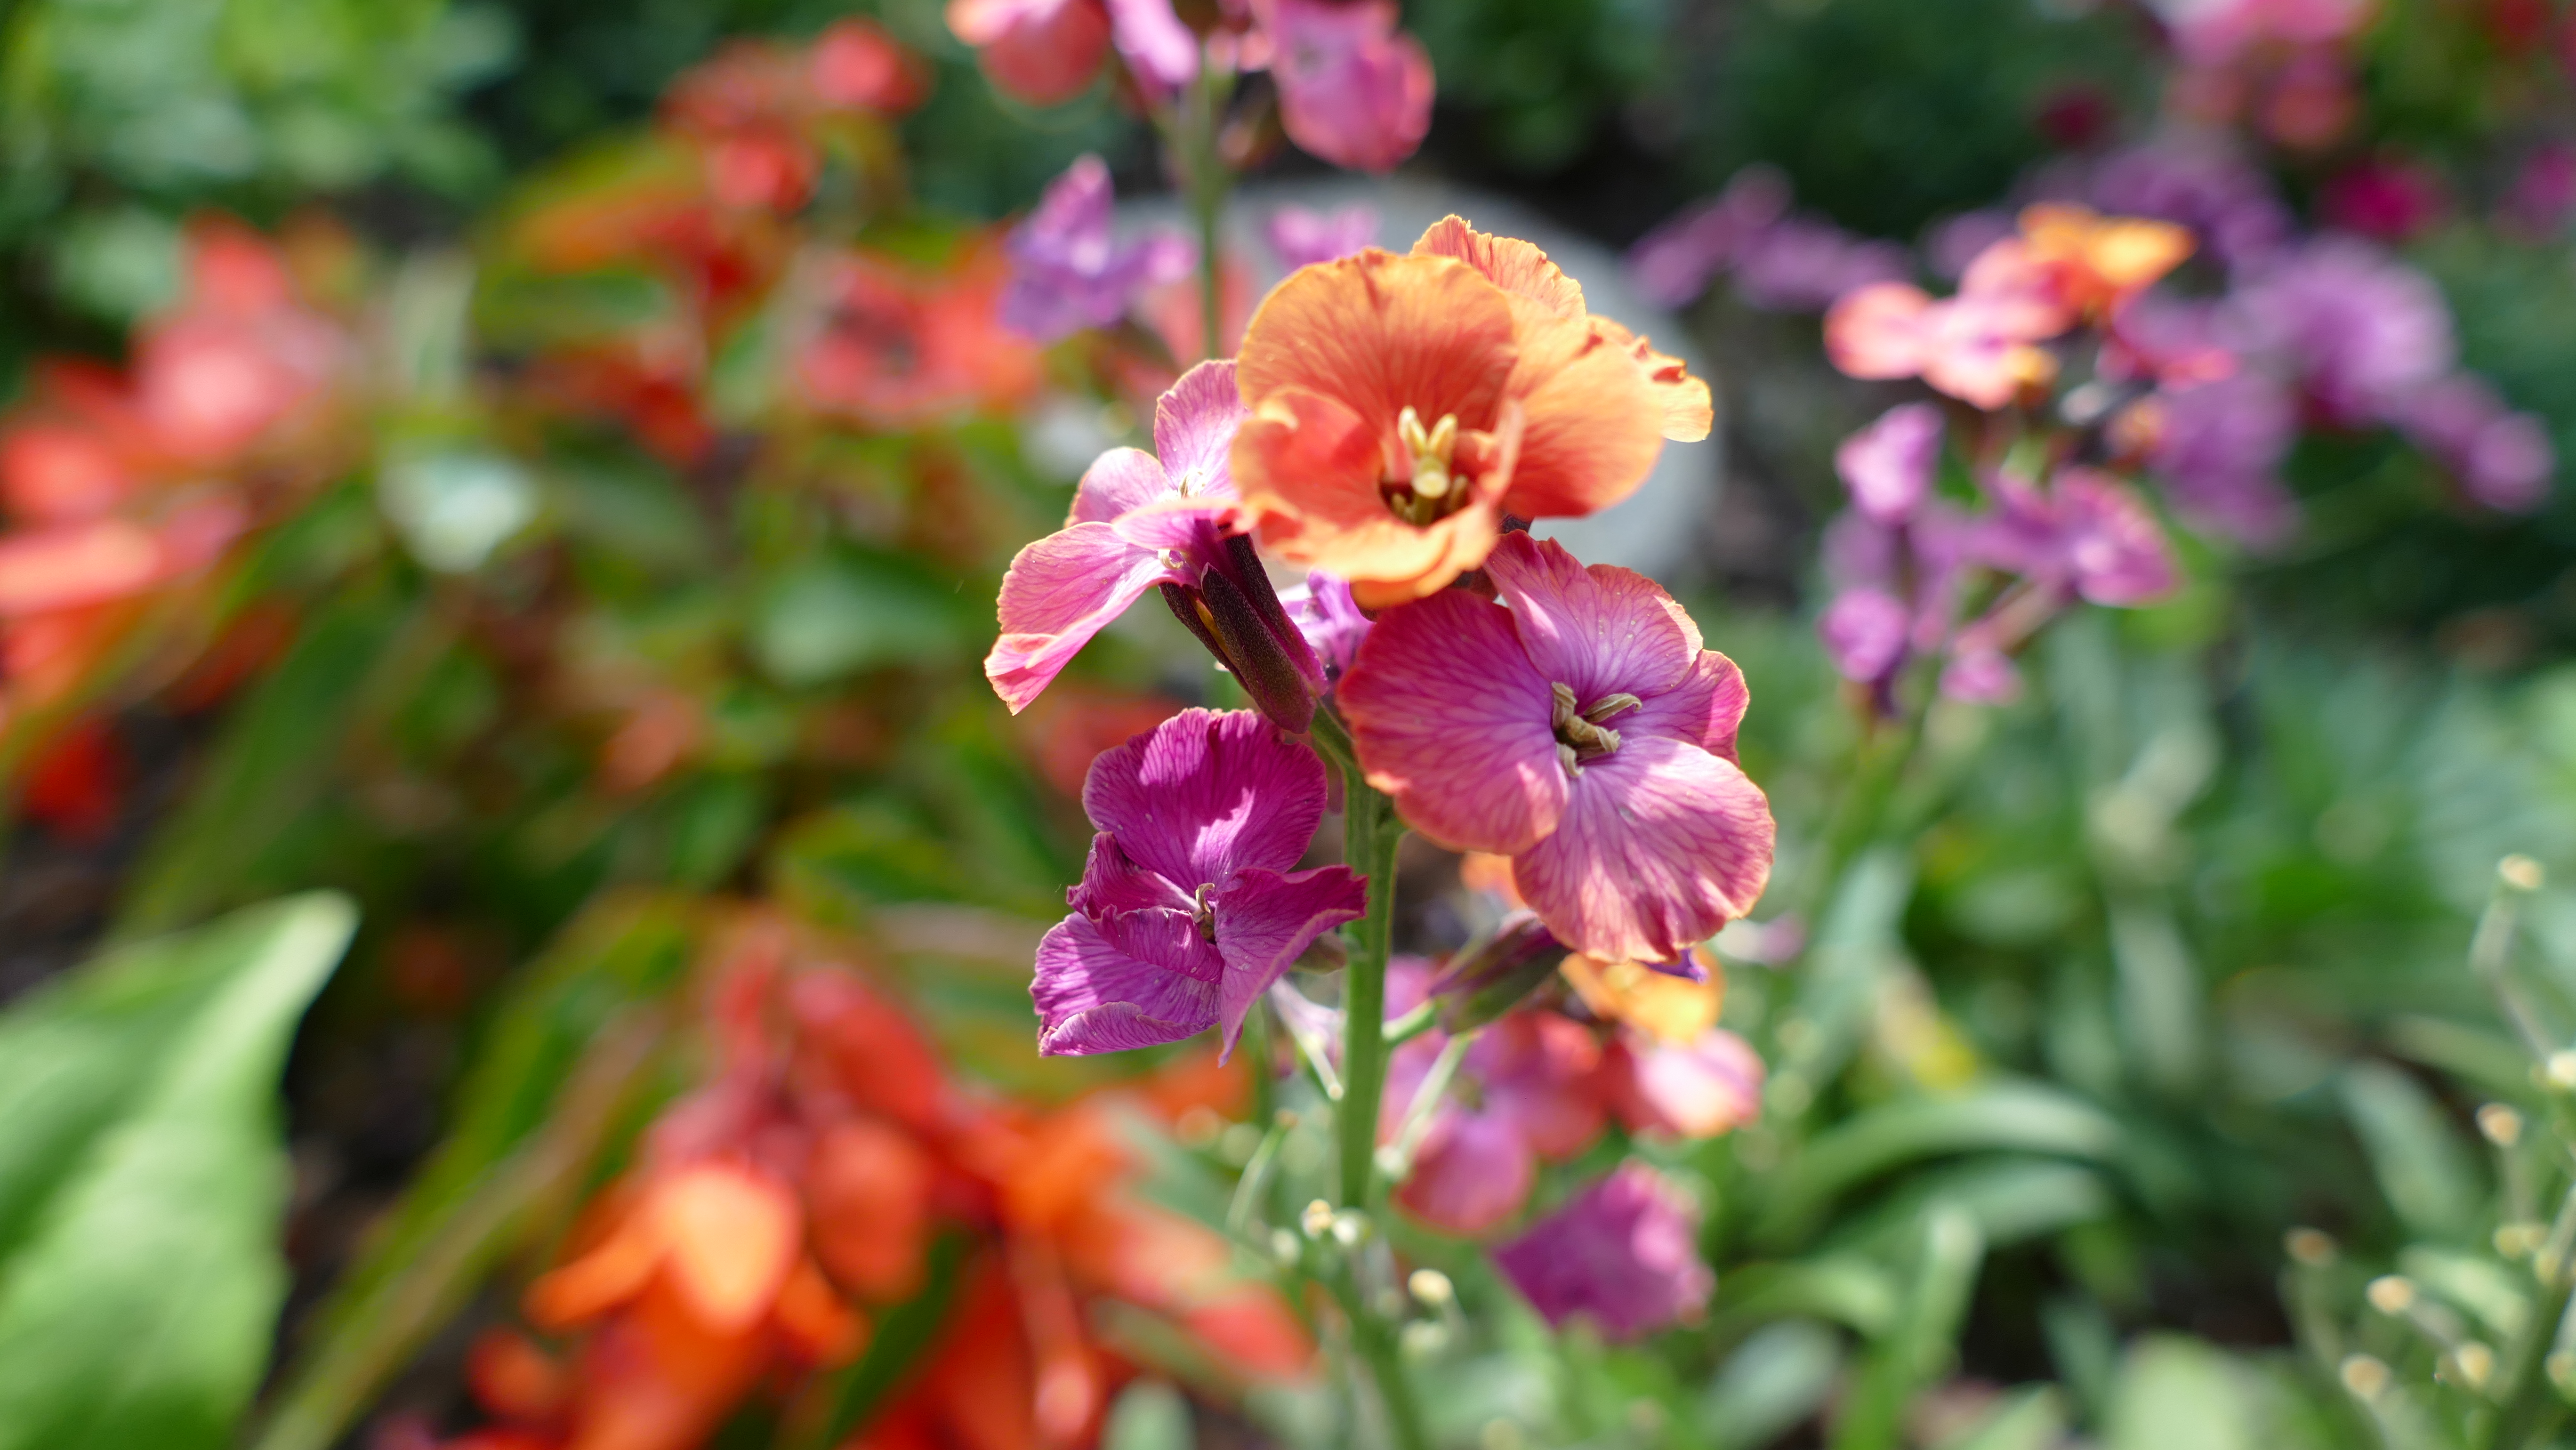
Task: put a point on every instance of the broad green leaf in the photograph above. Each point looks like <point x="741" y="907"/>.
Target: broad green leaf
<point x="2032" y="1419"/>
<point x="1921" y="1345"/>
<point x="2175" y="1391"/>
<point x="851" y="612"/>
<point x="141" y="1181"/>
<point x="1149" y="1415"/>
<point x="1774" y="1380"/>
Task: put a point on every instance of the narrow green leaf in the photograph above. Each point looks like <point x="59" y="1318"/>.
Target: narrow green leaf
<point x="2010" y="1117"/>
<point x="2427" y="1173"/>
<point x="1776" y="1379"/>
<point x="141" y="1191"/>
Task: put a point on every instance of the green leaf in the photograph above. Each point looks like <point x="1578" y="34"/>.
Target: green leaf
<point x="2032" y="1419"/>
<point x="1149" y="1415"/>
<point x="1924" y="1339"/>
<point x="2011" y="1117"/>
<point x="2425" y="1170"/>
<point x="1776" y="1379"/>
<point x="852" y="612"/>
<point x="141" y="1181"/>
<point x="2176" y="1391"/>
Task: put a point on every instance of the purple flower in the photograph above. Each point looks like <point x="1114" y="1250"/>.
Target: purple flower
<point x="1302" y="237"/>
<point x="2210" y="189"/>
<point x="1961" y="239"/>
<point x="2501" y="458"/>
<point x="1621" y="1254"/>
<point x="1865" y="631"/>
<point x="1161" y="53"/>
<point x="1603" y="759"/>
<point x="1329" y="618"/>
<point x="1673" y="263"/>
<point x="1353" y="90"/>
<point x="1166" y="518"/>
<point x="2218" y="447"/>
<point x="2088" y="534"/>
<point x="1981" y="676"/>
<point x="1802" y="264"/>
<point x="1187" y="911"/>
<point x="2363" y="329"/>
<point x="1069" y="271"/>
<point x="1888" y="465"/>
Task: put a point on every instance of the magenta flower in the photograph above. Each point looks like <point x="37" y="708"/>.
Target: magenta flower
<point x="1352" y="89"/>
<point x="2363" y="329"/>
<point x="1578" y="727"/>
<point x="1865" y="633"/>
<point x="1527" y="1092"/>
<point x="1888" y="465"/>
<point x="2088" y="535"/>
<point x="1068" y="269"/>
<point x="1674" y="263"/>
<point x="1166" y="518"/>
<point x="1187" y="910"/>
<point x="1621" y="1254"/>
<point x="2218" y="449"/>
<point x="1329" y="618"/>
<point x="1302" y="237"/>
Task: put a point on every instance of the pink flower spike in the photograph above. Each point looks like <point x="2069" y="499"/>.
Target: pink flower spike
<point x="2114" y="549"/>
<point x="1300" y="237"/>
<point x="1578" y="727"/>
<point x="1352" y="90"/>
<point x="1137" y="521"/>
<point x="1161" y="53"/>
<point x="1187" y="911"/>
<point x="1621" y="1254"/>
<point x="1888" y="465"/>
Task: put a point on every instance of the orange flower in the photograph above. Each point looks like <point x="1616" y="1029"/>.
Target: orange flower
<point x="2098" y="262"/>
<point x="1402" y="406"/>
<point x="1666" y="1008"/>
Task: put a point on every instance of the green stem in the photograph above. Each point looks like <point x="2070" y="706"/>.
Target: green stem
<point x="1203" y="109"/>
<point x="1377" y="1346"/>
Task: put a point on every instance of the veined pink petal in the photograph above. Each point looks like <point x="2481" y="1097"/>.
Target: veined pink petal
<point x="1660" y="845"/>
<point x="1118" y="482"/>
<point x="1265" y="920"/>
<point x="1600" y="629"/>
<point x="1474" y="1170"/>
<point x="1093" y="997"/>
<point x="1059" y="592"/>
<point x="1206" y="795"/>
<point x="1112" y="881"/>
<point x="1194" y="425"/>
<point x="1451" y="719"/>
<point x="1195" y="527"/>
<point x="1880" y="331"/>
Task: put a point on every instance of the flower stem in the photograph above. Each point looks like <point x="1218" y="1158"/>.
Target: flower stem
<point x="1377" y="1345"/>
<point x="1203" y="166"/>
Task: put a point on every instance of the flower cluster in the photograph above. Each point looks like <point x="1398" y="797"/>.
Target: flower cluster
<point x="1351" y="88"/>
<point x="774" y="1212"/>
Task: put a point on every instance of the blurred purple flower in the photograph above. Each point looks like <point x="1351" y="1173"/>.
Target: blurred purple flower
<point x="1621" y="1254"/>
<point x="2088" y="534"/>
<point x="1802" y="264"/>
<point x="1959" y="240"/>
<point x="1069" y="271"/>
<point x="2218" y="450"/>
<point x="1981" y="676"/>
<point x="2544" y="191"/>
<point x="1888" y="465"/>
<point x="1675" y="262"/>
<point x="2385" y="200"/>
<point x="1161" y="53"/>
<point x="1865" y="631"/>
<point x="1328" y="617"/>
<point x="2202" y="185"/>
<point x="1301" y="237"/>
<point x="1781" y="263"/>
<point x="2363" y="329"/>
<point x="2501" y="458"/>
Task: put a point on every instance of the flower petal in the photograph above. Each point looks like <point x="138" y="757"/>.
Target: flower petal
<point x="1695" y="1089"/>
<point x="1596" y="419"/>
<point x="1265" y="921"/>
<point x="1194" y="423"/>
<point x="1516" y="266"/>
<point x="1112" y="882"/>
<point x="1058" y="593"/>
<point x="1660" y="845"/>
<point x="1450" y="719"/>
<point x="1118" y="482"/>
<point x="1474" y="1170"/>
<point x="1689" y="412"/>
<point x="1311" y="467"/>
<point x="1880" y="331"/>
<point x="1538" y="1071"/>
<point x="1601" y="629"/>
<point x="1380" y="333"/>
<point x="1094" y="997"/>
<point x="1206" y="795"/>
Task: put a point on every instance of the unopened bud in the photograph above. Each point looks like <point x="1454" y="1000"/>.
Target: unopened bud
<point x="2312" y="1247"/>
<point x="2516" y="1240"/>
<point x="1432" y="1287"/>
<point x="2472" y="1364"/>
<point x="2561" y="1071"/>
<point x="1424" y="1338"/>
<point x="2391" y="1293"/>
<point x="2521" y="872"/>
<point x="1492" y="976"/>
<point x="1317" y="1220"/>
<point x="2502" y="1125"/>
<point x="1349" y="1227"/>
<point x="1283" y="1246"/>
<point x="2365" y="1376"/>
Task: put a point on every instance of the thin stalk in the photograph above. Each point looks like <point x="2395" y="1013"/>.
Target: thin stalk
<point x="1369" y="835"/>
<point x="1203" y="109"/>
<point x="1375" y="1345"/>
<point x="2522" y="1389"/>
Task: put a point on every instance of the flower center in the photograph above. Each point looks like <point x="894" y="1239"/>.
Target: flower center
<point x="1203" y="912"/>
<point x="1580" y="733"/>
<point x="1430" y="491"/>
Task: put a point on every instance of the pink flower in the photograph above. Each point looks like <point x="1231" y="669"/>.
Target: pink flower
<point x="1300" y="237"/>
<point x="1888" y="465"/>
<point x="1039" y="51"/>
<point x="1167" y="518"/>
<point x="2089" y="534"/>
<point x="2218" y="448"/>
<point x="1352" y="89"/>
<point x="1621" y="1254"/>
<point x="1974" y="346"/>
<point x="2502" y="459"/>
<point x="1685" y="1089"/>
<point x="1068" y="269"/>
<point x="1187" y="911"/>
<point x="1161" y="53"/>
<point x="1532" y="1084"/>
<point x="1578" y="727"/>
<point x="1329" y="618"/>
<point x="1865" y="632"/>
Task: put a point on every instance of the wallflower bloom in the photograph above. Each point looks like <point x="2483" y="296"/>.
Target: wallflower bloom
<point x="1187" y="911"/>
<point x="1039" y="51"/>
<point x="1888" y="465"/>
<point x="1620" y="1254"/>
<point x="1536" y="1098"/>
<point x="2363" y="329"/>
<point x="1403" y="405"/>
<point x="1068" y="269"/>
<point x="1139" y="521"/>
<point x="1972" y="346"/>
<point x="1352" y="89"/>
<point x="1578" y="727"/>
<point x="2088" y="534"/>
<point x="1300" y="237"/>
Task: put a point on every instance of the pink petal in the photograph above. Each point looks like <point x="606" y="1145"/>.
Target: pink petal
<point x="1206" y="796"/>
<point x="1059" y="592"/>
<point x="1351" y="90"/>
<point x="1265" y="921"/>
<point x="1194" y="423"/>
<point x="1452" y="721"/>
<point x="1538" y="1070"/>
<point x="1888" y="465"/>
<point x="1880" y="331"/>
<point x="1474" y="1171"/>
<point x="1660" y="845"/>
<point x="1704" y="709"/>
<point x="1601" y="630"/>
<point x="1093" y="996"/>
<point x="1113" y="882"/>
<point x="1117" y="483"/>
<point x="2114" y="547"/>
<point x="1697" y="1090"/>
<point x="1864" y="632"/>
<point x="1159" y="50"/>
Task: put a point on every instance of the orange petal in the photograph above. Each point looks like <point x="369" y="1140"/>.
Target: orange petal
<point x="1381" y="333"/>
<point x="610" y="1274"/>
<point x="731" y="1239"/>
<point x="1516" y="266"/>
<point x="1596" y="421"/>
<point x="1879" y="331"/>
<point x="869" y="1190"/>
<point x="814" y="1321"/>
<point x="1664" y="1007"/>
<point x="75" y="564"/>
<point x="1310" y="467"/>
<point x="1688" y="410"/>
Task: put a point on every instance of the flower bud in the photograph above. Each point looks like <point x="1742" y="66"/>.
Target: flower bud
<point x="1237" y="615"/>
<point x="1491" y="976"/>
